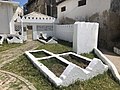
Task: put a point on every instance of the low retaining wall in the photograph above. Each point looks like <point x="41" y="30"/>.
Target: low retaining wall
<point x="72" y="72"/>
<point x="42" y="28"/>
<point x="64" y="32"/>
<point x="109" y="63"/>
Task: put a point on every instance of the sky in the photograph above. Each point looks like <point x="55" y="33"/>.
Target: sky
<point x="22" y="2"/>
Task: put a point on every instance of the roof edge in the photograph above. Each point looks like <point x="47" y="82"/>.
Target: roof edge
<point x="60" y="2"/>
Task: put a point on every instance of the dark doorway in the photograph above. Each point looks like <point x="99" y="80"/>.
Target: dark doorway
<point x="29" y="32"/>
<point x="29" y="27"/>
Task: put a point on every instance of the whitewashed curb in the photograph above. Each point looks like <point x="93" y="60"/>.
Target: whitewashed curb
<point x="72" y="72"/>
<point x="109" y="63"/>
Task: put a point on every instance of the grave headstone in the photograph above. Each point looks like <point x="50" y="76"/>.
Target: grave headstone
<point x="85" y="37"/>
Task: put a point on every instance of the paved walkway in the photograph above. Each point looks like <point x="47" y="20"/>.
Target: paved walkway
<point x="11" y="54"/>
<point x="8" y="80"/>
<point x="29" y="35"/>
<point x="115" y="59"/>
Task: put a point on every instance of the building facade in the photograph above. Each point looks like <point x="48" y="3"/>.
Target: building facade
<point x="7" y="10"/>
<point x="47" y="7"/>
<point x="106" y="12"/>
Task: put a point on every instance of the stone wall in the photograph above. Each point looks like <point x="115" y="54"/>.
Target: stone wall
<point x="115" y="22"/>
<point x="36" y="5"/>
<point x="109" y="33"/>
<point x="42" y="6"/>
<point x="110" y="26"/>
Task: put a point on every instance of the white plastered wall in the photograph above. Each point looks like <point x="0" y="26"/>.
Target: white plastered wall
<point x="85" y="37"/>
<point x="6" y="13"/>
<point x="37" y="31"/>
<point x="75" y="12"/>
<point x="64" y="32"/>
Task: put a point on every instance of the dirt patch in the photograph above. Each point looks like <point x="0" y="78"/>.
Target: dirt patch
<point x="78" y="61"/>
<point x="55" y="65"/>
<point x="39" y="54"/>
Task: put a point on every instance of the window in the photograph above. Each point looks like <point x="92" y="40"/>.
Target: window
<point x="81" y="3"/>
<point x="63" y="9"/>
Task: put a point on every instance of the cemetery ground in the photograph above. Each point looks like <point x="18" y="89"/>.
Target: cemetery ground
<point x="6" y="46"/>
<point x="17" y="63"/>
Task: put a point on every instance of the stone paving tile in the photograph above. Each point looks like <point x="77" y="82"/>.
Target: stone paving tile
<point x="114" y="58"/>
<point x="8" y="82"/>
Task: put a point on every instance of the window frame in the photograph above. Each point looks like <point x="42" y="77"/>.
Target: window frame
<point x="63" y="9"/>
<point x="82" y="3"/>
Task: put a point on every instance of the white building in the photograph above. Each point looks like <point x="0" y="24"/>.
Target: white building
<point x="7" y="11"/>
<point x="38" y="23"/>
<point x="105" y="12"/>
<point x="77" y="9"/>
<point x="13" y="22"/>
